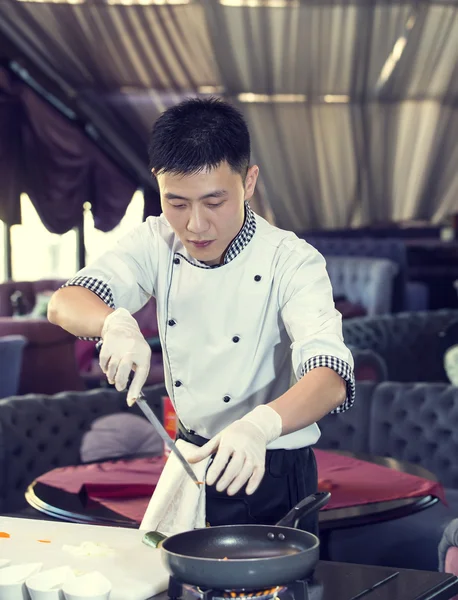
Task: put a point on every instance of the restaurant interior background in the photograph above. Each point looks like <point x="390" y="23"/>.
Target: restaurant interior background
<point x="352" y="106"/>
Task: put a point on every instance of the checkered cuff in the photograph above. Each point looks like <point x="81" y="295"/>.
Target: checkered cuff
<point x="99" y="288"/>
<point x="342" y="368"/>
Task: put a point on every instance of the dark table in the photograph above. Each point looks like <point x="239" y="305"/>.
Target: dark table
<point x="365" y="514"/>
<point x="76" y="508"/>
<point x="339" y="581"/>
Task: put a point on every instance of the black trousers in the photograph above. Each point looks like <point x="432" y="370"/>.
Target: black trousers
<point x="290" y="476"/>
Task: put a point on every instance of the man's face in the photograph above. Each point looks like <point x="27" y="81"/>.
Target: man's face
<point x="206" y="210"/>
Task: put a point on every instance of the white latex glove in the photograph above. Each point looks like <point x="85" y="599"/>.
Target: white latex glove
<point x="244" y="442"/>
<point x="124" y="349"/>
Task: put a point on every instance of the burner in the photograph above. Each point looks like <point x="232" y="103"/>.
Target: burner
<point x="268" y="594"/>
<point x="297" y="590"/>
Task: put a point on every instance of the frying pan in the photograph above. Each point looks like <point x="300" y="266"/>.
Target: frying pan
<point x="244" y="557"/>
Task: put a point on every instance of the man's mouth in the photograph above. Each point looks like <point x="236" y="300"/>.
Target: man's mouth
<point x="202" y="244"/>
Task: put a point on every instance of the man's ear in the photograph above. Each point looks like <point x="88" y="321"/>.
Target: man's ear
<point x="250" y="181"/>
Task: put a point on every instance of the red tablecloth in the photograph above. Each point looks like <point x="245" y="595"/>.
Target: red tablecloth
<point x="122" y="486"/>
<point x="126" y="486"/>
<point x="354" y="482"/>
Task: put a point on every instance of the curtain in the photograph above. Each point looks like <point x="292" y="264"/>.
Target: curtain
<point x="351" y="103"/>
<point x="135" y="58"/>
<point x="58" y="166"/>
<point x="10" y="152"/>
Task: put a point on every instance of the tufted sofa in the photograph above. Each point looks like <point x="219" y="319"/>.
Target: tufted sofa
<point x="29" y="290"/>
<point x="413" y="422"/>
<point x="39" y="433"/>
<point x="49" y="345"/>
<point x="406" y="295"/>
<point x="410" y="344"/>
<point x="367" y="282"/>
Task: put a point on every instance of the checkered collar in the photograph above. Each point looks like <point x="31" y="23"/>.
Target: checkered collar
<point x="241" y="240"/>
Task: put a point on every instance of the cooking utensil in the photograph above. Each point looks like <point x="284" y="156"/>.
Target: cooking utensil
<point x="244" y="557"/>
<point x="149" y="414"/>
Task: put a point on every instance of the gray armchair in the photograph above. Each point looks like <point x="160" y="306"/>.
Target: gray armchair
<point x="368" y="282"/>
<point x="407" y="295"/>
<point x="11" y="350"/>
<point x="41" y="432"/>
<point x="410" y="344"/>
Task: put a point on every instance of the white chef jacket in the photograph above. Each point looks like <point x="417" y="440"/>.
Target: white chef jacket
<point x="229" y="334"/>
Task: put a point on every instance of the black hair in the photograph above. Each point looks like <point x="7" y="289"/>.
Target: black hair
<point x="198" y="134"/>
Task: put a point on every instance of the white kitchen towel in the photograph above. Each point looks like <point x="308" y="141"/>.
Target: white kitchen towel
<point x="177" y="503"/>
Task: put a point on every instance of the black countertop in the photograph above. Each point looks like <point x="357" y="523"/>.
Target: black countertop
<point x="344" y="581"/>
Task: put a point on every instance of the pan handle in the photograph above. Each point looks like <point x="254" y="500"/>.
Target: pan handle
<point x="306" y="506"/>
<point x="154" y="539"/>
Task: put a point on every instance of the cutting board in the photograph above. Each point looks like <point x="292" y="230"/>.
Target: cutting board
<point x="135" y="570"/>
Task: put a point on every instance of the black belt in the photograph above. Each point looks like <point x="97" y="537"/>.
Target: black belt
<point x="190" y="436"/>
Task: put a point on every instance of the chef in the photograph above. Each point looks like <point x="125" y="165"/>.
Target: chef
<point x="244" y="310"/>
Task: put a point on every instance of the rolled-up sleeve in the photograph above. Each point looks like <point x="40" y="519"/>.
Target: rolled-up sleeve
<point x="311" y="319"/>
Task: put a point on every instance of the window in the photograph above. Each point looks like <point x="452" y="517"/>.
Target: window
<point x="36" y="252"/>
<point x="96" y="241"/>
<point x="39" y="254"/>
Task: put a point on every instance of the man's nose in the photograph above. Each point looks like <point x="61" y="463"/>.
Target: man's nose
<point x="197" y="222"/>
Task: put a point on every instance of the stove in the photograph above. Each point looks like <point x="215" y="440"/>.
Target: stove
<point x="336" y="581"/>
<point x="310" y="589"/>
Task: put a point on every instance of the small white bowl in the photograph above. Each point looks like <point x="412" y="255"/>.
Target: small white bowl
<point x="12" y="580"/>
<point x="47" y="585"/>
<point x="90" y="586"/>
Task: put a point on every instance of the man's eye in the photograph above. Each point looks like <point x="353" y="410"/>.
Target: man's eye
<point x="179" y="205"/>
<point x="215" y="205"/>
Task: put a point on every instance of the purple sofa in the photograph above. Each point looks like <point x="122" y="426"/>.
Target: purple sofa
<point x="54" y="360"/>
